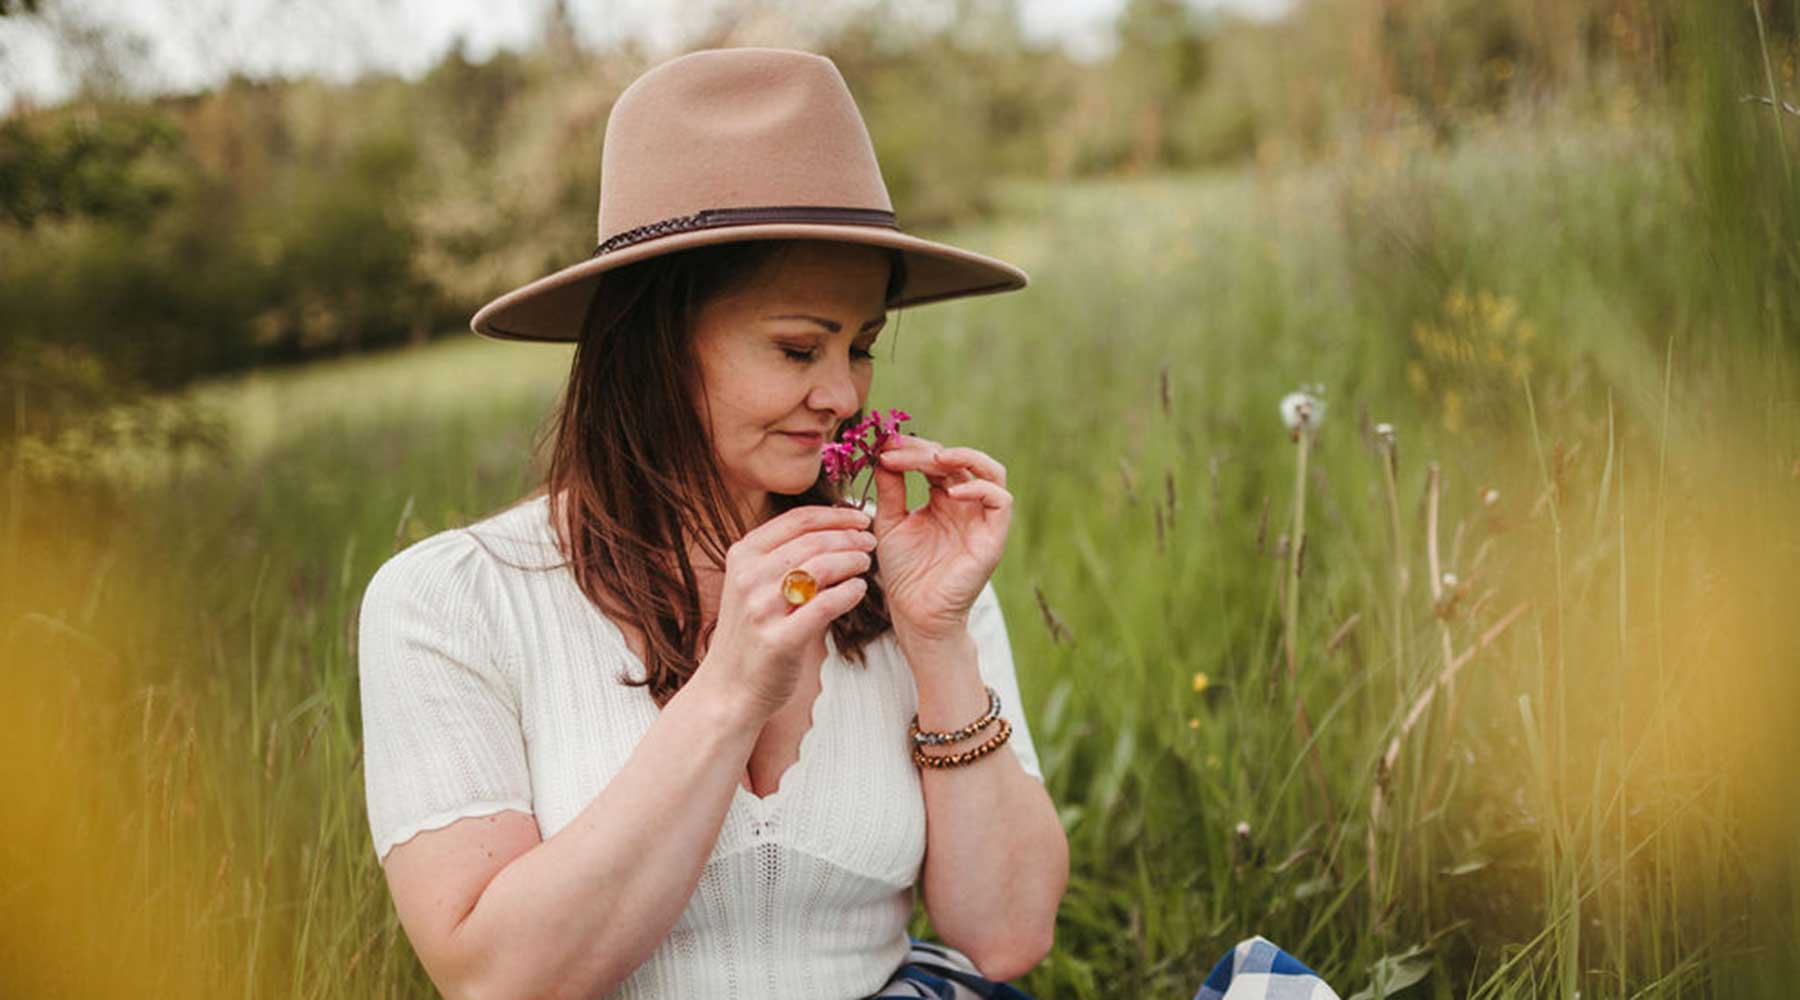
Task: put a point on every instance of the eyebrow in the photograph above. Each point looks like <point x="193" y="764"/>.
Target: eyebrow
<point x="831" y="325"/>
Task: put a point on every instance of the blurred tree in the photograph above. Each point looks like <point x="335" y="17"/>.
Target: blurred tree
<point x="83" y="166"/>
<point x="473" y="98"/>
<point x="1161" y="64"/>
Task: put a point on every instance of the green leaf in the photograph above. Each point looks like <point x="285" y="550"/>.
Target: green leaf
<point x="1392" y="973"/>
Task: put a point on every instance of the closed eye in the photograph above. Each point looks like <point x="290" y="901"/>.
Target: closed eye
<point x="808" y="355"/>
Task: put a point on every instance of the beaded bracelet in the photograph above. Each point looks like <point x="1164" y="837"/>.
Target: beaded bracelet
<point x="923" y="738"/>
<point x="924" y="759"/>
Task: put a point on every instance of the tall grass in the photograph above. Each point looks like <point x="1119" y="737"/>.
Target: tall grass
<point x="1540" y="633"/>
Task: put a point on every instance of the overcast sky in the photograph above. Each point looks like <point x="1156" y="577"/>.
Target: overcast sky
<point x="191" y="44"/>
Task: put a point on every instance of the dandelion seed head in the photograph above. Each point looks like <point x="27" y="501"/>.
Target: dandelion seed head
<point x="1243" y="829"/>
<point x="1449" y="579"/>
<point x="1302" y="409"/>
<point x="1490" y="497"/>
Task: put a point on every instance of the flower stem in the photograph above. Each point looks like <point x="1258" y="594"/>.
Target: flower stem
<point x="1296" y="550"/>
<point x="1296" y="542"/>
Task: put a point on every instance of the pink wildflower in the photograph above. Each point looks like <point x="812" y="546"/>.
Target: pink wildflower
<point x="860" y="444"/>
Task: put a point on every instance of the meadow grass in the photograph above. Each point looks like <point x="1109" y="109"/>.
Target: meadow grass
<point x="1562" y="767"/>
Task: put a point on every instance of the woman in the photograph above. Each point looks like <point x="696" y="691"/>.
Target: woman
<point x="684" y="723"/>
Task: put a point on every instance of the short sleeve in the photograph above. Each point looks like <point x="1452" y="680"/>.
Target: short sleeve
<point x="442" y="737"/>
<point x="988" y="628"/>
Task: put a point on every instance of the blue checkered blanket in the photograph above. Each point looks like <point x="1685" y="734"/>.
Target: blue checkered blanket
<point x="1257" y="970"/>
<point x="939" y="972"/>
<point x="1254" y="970"/>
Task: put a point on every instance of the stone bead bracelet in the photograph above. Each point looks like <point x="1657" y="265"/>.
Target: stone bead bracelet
<point x="923" y="759"/>
<point x="924" y="738"/>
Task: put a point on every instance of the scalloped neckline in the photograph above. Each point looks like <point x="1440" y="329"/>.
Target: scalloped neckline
<point x="760" y="804"/>
<point x="763" y="803"/>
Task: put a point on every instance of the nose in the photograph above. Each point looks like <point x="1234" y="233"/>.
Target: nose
<point x="836" y="390"/>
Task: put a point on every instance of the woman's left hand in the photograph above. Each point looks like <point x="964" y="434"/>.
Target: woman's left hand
<point x="933" y="561"/>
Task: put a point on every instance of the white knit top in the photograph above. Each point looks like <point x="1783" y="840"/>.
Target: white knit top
<point x="487" y="687"/>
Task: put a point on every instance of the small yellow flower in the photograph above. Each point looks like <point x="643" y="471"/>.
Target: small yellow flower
<point x="1193" y="723"/>
<point x="1200" y="683"/>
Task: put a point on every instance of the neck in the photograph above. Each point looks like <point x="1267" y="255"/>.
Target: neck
<point x="755" y="508"/>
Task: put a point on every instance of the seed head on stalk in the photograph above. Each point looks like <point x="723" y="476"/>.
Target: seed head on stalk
<point x="1302" y="411"/>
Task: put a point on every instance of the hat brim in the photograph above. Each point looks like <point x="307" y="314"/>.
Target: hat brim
<point x="552" y="307"/>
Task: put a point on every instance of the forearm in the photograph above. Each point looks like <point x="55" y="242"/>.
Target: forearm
<point x="996" y="858"/>
<point x="576" y="914"/>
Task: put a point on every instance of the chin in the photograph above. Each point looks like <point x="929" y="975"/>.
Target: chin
<point x="790" y="479"/>
<point x="794" y="487"/>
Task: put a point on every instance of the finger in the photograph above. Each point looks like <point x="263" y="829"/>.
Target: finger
<point x="978" y="463"/>
<point x="913" y="441"/>
<point x="927" y="463"/>
<point x="827" y="606"/>
<point x="834" y="568"/>
<point x="890" y="497"/>
<point x="791" y="524"/>
<point x="799" y="551"/>
<point x="827" y="571"/>
<point x="993" y="496"/>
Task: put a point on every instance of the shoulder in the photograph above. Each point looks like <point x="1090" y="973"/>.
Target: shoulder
<point x="447" y="561"/>
<point x="428" y="616"/>
<point x="459" y="562"/>
<point x="452" y="577"/>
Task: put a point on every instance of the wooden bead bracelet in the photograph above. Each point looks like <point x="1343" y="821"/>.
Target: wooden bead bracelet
<point x="924" y="759"/>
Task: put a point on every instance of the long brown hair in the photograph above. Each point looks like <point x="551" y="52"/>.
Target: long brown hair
<point x="631" y="477"/>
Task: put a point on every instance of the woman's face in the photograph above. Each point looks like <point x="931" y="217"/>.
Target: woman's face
<point x="783" y="360"/>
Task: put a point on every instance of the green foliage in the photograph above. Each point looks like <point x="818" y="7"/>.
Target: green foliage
<point x="83" y="167"/>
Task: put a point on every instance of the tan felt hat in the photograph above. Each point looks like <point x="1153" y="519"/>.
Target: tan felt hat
<point x="737" y="144"/>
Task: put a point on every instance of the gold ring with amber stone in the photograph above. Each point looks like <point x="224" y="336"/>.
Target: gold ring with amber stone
<point x="798" y="587"/>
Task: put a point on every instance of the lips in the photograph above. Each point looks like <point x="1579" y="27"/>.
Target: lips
<point x="805" y="437"/>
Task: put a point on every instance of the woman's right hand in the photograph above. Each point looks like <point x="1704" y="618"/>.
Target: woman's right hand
<point x="763" y="642"/>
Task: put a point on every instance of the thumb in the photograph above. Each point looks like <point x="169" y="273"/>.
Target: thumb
<point x="890" y="497"/>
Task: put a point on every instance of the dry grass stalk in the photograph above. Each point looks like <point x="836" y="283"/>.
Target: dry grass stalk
<point x="1385" y="769"/>
<point x="1059" y="632"/>
<point x="1342" y="633"/>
